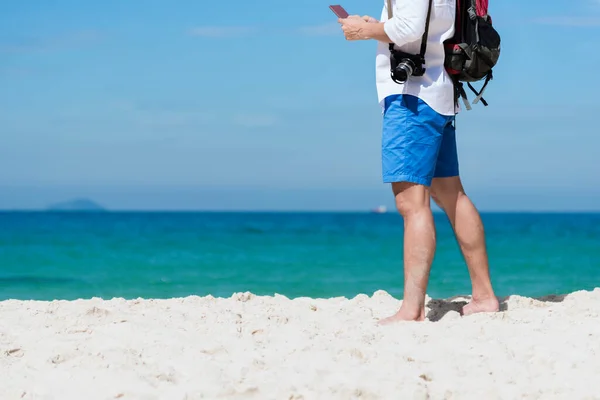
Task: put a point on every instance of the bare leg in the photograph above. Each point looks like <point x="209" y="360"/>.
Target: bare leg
<point x="412" y="202"/>
<point x="449" y="194"/>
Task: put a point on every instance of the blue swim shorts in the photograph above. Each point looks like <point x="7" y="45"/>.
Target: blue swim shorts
<point x="418" y="144"/>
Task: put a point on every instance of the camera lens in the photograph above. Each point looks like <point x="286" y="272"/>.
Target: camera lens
<point x="404" y="70"/>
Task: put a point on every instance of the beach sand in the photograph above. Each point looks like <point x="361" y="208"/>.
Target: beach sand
<point x="250" y="347"/>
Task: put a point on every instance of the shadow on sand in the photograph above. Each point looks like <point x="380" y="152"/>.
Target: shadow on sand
<point x="439" y="308"/>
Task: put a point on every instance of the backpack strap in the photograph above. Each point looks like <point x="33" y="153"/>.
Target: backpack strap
<point x="479" y="94"/>
<point x="461" y="92"/>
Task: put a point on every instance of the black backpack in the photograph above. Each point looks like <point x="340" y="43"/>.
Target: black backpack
<point x="474" y="49"/>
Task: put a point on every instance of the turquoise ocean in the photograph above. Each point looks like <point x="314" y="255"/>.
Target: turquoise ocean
<point x="70" y="255"/>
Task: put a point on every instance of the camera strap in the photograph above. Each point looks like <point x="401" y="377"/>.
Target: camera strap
<point x="425" y="34"/>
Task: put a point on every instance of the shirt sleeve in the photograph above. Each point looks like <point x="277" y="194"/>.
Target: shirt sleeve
<point x="408" y="21"/>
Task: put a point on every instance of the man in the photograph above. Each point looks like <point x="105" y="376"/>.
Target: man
<point x="419" y="155"/>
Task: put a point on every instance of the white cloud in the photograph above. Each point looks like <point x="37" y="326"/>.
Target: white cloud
<point x="221" y="31"/>
<point x="328" y="29"/>
<point x="51" y="43"/>
<point x="16" y="71"/>
<point x="569" y="21"/>
<point x="255" y="120"/>
<point x="208" y="31"/>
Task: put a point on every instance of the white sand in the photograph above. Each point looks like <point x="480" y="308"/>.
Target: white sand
<point x="248" y="347"/>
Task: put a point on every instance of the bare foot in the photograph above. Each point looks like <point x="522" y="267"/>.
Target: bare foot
<point x="402" y="315"/>
<point x="481" y="305"/>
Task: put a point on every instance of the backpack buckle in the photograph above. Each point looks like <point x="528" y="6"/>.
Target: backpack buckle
<point x="472" y="12"/>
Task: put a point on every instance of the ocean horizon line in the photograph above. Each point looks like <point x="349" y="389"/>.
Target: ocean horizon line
<point x="270" y="211"/>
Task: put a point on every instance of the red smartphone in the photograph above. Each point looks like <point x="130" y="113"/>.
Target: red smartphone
<point x="339" y="11"/>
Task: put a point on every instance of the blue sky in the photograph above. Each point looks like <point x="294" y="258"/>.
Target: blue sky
<point x="264" y="105"/>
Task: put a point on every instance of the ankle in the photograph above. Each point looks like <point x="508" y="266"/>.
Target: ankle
<point x="482" y="290"/>
<point x="411" y="310"/>
<point x="484" y="297"/>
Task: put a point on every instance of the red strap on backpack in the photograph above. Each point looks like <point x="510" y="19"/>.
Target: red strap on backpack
<point x="482" y="7"/>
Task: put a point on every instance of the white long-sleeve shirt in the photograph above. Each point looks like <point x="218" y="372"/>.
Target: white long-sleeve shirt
<point x="406" y="29"/>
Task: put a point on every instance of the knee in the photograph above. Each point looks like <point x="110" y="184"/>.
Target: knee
<point x="446" y="192"/>
<point x="408" y="206"/>
<point x="436" y="198"/>
<point x="411" y="198"/>
<point x="447" y="200"/>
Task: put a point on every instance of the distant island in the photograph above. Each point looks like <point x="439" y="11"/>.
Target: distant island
<point x="77" y="205"/>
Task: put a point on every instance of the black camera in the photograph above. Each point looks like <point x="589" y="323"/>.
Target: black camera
<point x="404" y="65"/>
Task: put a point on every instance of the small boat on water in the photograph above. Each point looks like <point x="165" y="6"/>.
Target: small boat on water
<point x="379" y="210"/>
